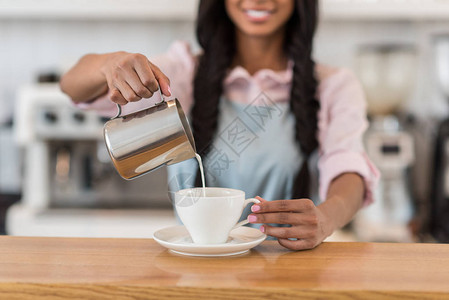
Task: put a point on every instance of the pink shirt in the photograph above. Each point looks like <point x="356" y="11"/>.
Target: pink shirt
<point x="341" y="119"/>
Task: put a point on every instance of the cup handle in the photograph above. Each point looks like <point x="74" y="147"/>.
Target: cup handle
<point x="247" y="201"/>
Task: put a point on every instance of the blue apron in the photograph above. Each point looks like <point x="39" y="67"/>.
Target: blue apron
<point x="254" y="150"/>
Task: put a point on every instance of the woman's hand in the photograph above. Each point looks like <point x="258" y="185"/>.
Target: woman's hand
<point x="131" y="77"/>
<point x="309" y="225"/>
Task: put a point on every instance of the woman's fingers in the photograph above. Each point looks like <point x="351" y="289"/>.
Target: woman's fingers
<point x="126" y="91"/>
<point x="301" y="231"/>
<point x="134" y="82"/>
<point x="163" y="80"/>
<point x="300" y="244"/>
<point x="117" y="81"/>
<point x="307" y="222"/>
<point x="117" y="97"/>
<point x="278" y="218"/>
<point x="145" y="72"/>
<point x="131" y="77"/>
<point x="297" y="205"/>
<point x="260" y="199"/>
<point x="152" y="77"/>
<point x="284" y="218"/>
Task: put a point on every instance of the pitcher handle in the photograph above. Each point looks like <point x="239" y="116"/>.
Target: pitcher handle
<point x="244" y="222"/>
<point x="119" y="107"/>
<point x="119" y="112"/>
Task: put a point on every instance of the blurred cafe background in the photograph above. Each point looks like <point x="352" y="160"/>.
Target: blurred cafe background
<point x="56" y="178"/>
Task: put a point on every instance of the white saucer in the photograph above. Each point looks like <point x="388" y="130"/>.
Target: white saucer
<point x="178" y="240"/>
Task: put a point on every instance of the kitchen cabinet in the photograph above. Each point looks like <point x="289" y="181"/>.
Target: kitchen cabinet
<point x="65" y="268"/>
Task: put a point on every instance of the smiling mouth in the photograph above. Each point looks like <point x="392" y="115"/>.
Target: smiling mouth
<point x="258" y="15"/>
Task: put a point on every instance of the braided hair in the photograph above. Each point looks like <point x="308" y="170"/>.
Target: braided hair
<point x="216" y="35"/>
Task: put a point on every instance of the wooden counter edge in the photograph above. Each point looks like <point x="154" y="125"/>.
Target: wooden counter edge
<point x="94" y="291"/>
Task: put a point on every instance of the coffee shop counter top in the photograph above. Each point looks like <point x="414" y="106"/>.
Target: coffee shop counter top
<point x="83" y="268"/>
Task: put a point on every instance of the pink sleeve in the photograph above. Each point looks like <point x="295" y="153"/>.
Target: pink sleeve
<point x="342" y="123"/>
<point x="178" y="63"/>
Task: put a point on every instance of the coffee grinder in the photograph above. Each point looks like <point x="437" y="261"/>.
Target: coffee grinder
<point x="387" y="73"/>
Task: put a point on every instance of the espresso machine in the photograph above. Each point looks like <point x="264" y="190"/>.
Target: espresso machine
<point x="439" y="199"/>
<point x="387" y="73"/>
<point x="70" y="187"/>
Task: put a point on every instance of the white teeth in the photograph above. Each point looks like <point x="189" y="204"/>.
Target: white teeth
<point x="257" y="13"/>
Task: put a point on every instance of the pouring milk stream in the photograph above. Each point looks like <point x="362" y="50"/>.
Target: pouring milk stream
<point x="143" y="141"/>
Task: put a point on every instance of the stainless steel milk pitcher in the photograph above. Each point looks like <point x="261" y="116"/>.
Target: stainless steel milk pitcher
<point x="148" y="139"/>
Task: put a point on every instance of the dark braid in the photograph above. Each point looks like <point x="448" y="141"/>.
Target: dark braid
<point x="303" y="103"/>
<point x="216" y="35"/>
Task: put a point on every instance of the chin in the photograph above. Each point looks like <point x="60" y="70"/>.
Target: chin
<point x="258" y="30"/>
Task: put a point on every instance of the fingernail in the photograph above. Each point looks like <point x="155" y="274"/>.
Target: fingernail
<point x="169" y="90"/>
<point x="252" y="218"/>
<point x="255" y="208"/>
<point x="262" y="228"/>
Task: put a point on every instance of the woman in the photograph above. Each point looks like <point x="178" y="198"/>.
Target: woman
<point x="260" y="106"/>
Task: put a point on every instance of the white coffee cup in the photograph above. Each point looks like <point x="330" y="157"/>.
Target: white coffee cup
<point x="210" y="218"/>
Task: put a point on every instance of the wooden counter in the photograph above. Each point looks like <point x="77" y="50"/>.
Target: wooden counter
<point x="64" y="268"/>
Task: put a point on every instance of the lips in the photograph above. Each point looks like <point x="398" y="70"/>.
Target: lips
<point x="258" y="15"/>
